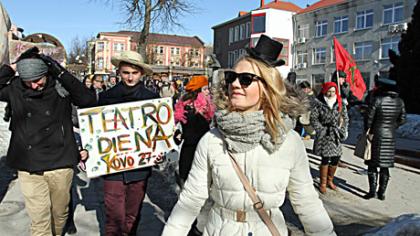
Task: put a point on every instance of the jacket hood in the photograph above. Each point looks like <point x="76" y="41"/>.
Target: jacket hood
<point x="299" y="102"/>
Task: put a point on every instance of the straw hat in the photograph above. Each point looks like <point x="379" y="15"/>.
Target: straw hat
<point x="131" y="57"/>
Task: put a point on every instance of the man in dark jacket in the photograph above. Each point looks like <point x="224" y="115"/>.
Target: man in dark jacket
<point x="386" y="113"/>
<point x="124" y="192"/>
<point x="42" y="146"/>
<point x="343" y="85"/>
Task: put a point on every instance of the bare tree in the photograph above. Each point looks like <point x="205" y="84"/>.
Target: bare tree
<point x="78" y="51"/>
<point x="143" y="15"/>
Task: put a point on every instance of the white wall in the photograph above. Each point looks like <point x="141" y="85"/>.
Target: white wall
<point x="279" y="24"/>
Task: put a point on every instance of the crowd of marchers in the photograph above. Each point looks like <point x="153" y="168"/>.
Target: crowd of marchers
<point x="241" y="143"/>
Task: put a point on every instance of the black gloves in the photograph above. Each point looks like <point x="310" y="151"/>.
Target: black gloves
<point x="32" y="52"/>
<point x="54" y="68"/>
<point x="178" y="137"/>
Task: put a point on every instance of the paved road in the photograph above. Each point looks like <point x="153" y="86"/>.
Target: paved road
<point x="351" y="214"/>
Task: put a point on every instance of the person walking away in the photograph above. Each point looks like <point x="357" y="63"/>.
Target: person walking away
<point x="330" y="120"/>
<point x="124" y="192"/>
<point x="385" y="114"/>
<point x="42" y="146"/>
<point x="254" y="130"/>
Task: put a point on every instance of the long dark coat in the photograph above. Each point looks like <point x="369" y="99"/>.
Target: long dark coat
<point x="42" y="130"/>
<point x="329" y="134"/>
<point x="192" y="131"/>
<point x="120" y="94"/>
<point x="386" y="113"/>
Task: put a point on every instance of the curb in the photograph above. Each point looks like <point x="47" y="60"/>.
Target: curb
<point x="406" y="152"/>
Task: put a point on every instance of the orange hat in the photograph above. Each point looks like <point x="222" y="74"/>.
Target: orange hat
<point x="197" y="82"/>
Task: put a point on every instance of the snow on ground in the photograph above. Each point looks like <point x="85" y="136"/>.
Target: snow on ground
<point x="410" y="130"/>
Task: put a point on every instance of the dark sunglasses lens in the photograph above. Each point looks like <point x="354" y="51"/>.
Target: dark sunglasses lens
<point x="230" y="76"/>
<point x="246" y="79"/>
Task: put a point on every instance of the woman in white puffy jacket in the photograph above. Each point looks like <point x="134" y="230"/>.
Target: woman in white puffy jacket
<point x="253" y="124"/>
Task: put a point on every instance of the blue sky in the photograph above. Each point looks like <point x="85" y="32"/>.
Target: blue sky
<point x="84" y="18"/>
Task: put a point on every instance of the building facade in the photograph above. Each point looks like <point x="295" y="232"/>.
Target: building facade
<point x="273" y="19"/>
<point x="366" y="28"/>
<point x="163" y="51"/>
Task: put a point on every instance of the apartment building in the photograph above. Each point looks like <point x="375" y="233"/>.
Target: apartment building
<point x="366" y="28"/>
<point x="163" y="51"/>
<point x="273" y="19"/>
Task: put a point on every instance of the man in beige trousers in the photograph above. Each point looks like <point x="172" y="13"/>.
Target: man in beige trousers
<point x="42" y="146"/>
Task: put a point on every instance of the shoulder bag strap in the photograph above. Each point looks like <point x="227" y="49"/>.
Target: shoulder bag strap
<point x="258" y="205"/>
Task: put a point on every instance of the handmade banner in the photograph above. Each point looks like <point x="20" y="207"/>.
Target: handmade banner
<point x="126" y="136"/>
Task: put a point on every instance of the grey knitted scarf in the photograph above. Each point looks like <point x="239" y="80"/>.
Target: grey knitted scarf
<point x="244" y="131"/>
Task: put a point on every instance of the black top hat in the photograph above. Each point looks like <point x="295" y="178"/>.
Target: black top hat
<point x="267" y="50"/>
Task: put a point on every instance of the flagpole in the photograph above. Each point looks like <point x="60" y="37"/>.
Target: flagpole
<point x="336" y="70"/>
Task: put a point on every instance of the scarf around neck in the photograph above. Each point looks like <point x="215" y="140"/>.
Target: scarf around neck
<point x="244" y="131"/>
<point x="330" y="101"/>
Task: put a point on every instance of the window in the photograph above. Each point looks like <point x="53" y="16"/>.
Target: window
<point x="303" y="31"/>
<point x="236" y="38"/>
<point x="393" y="13"/>
<point x="258" y="23"/>
<point x="242" y="32"/>
<point x="319" y="55"/>
<point x="321" y="28"/>
<point x="230" y="35"/>
<point x="317" y="81"/>
<point x="389" y="43"/>
<point x="100" y="46"/>
<point x="364" y="19"/>
<point x="248" y="29"/>
<point x="175" y="51"/>
<point x="341" y="24"/>
<point x="118" y="47"/>
<point x="158" y="49"/>
<point x="302" y="57"/>
<point x="100" y="63"/>
<point x="363" y="50"/>
<point x="231" y="59"/>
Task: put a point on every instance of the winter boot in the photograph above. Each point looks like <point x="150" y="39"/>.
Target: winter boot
<point x="383" y="182"/>
<point x="373" y="183"/>
<point x="323" y="172"/>
<point x="330" y="178"/>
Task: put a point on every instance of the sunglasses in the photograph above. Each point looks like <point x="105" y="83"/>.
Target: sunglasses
<point x="245" y="79"/>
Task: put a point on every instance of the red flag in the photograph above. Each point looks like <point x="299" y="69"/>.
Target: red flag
<point x="345" y="62"/>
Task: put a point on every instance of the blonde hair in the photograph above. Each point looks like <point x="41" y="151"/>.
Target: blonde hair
<point x="274" y="98"/>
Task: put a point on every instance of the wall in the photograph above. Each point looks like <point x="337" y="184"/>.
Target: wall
<point x="375" y="34"/>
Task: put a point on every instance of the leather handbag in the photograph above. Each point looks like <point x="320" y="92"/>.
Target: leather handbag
<point x="363" y="146"/>
<point x="258" y="205"/>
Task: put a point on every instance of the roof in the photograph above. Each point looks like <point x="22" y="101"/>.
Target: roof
<point x="168" y="39"/>
<point x="320" y="4"/>
<point x="281" y="5"/>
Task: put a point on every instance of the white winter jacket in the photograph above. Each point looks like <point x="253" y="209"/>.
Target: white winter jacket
<point x="212" y="175"/>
